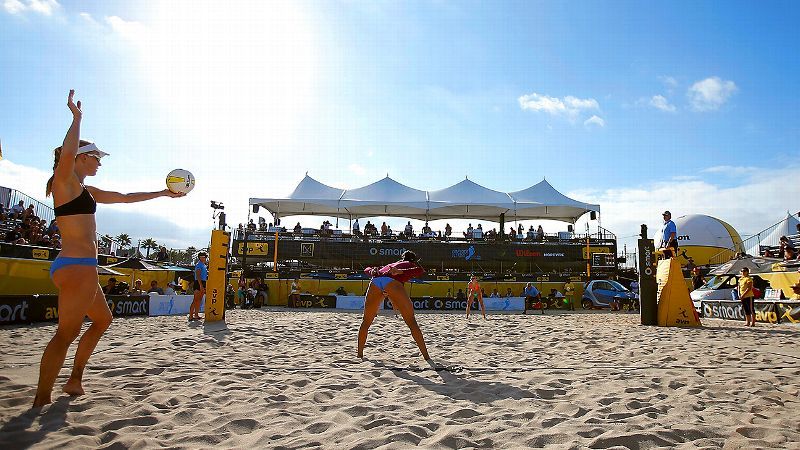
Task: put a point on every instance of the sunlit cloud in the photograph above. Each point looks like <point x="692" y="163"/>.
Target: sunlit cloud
<point x="127" y="29"/>
<point x="569" y="106"/>
<point x="732" y="170"/>
<point x="710" y="94"/>
<point x="594" y="121"/>
<point x="659" y="102"/>
<point x="43" y="7"/>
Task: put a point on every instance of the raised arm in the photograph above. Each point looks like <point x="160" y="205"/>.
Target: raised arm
<point x="69" y="148"/>
<point x="101" y="196"/>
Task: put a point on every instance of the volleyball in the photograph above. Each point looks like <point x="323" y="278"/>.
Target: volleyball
<point x="180" y="181"/>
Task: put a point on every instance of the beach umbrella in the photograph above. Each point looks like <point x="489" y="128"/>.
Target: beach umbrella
<point x="756" y="265"/>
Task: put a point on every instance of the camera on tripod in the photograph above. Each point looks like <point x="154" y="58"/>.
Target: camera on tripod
<point x="217" y="205"/>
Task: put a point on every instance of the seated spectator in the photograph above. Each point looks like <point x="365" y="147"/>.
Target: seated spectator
<point x="162" y="255"/>
<point x="448" y="230"/>
<point x="468" y="233"/>
<point x="15" y="236"/>
<point x="251" y="226"/>
<point x="509" y="294"/>
<point x="409" y="230"/>
<point x="340" y="291"/>
<point x="530" y="291"/>
<point x="512" y="233"/>
<point x="384" y="229"/>
<point x="297" y="228"/>
<point x="110" y="287"/>
<point x="540" y="233"/>
<point x="389" y="231"/>
<point x="356" y="228"/>
<point x="494" y="294"/>
<point x="155" y="289"/>
<point x="29" y="213"/>
<point x="262" y="224"/>
<point x="531" y="233"/>
<point x="170" y="290"/>
<point x="787" y="249"/>
<point x="52" y="228"/>
<point x="520" y="231"/>
<point x="460" y="295"/>
<point x="426" y="230"/>
<point x="18" y="209"/>
<point x="137" y="288"/>
<point x="3" y="212"/>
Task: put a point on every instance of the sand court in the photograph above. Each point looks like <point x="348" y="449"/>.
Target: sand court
<point x="288" y="379"/>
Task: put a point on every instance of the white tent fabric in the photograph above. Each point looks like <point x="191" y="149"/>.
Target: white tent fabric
<point x="785" y="227"/>
<point x="385" y="197"/>
<point x="545" y="202"/>
<point x="388" y="197"/>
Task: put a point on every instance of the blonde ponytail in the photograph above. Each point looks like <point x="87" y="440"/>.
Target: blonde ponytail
<point x="57" y="157"/>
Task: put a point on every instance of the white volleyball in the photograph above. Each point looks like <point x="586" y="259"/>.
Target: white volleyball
<point x="180" y="181"/>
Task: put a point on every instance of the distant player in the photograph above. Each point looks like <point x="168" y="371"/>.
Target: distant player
<point x="474" y="292"/>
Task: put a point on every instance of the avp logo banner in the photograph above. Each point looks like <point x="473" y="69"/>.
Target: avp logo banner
<point x="467" y="254"/>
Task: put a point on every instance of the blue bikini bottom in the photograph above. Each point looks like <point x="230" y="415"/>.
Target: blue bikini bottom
<point x="62" y="261"/>
<point x="381" y="282"/>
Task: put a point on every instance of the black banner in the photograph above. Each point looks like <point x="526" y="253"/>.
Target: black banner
<point x="313" y="301"/>
<point x="22" y="309"/>
<point x="766" y="312"/>
<point x="527" y="257"/>
<point x="45" y="253"/>
<point x="437" y="304"/>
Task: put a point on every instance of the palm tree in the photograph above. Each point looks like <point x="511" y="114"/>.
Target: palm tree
<point x="124" y="240"/>
<point x="149" y="244"/>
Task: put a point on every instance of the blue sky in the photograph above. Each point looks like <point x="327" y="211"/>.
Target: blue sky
<point x="636" y="106"/>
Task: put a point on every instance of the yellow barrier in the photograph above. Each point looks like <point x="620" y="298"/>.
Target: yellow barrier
<point x="217" y="271"/>
<point x="675" y="308"/>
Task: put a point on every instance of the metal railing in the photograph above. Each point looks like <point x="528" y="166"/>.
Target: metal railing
<point x="761" y="239"/>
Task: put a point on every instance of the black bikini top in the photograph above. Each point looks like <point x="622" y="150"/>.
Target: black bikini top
<point x="82" y="204"/>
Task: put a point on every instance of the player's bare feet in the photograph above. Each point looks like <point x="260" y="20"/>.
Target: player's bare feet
<point x="41" y="400"/>
<point x="73" y="387"/>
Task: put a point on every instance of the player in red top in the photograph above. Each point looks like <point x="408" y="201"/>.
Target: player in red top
<point x="387" y="281"/>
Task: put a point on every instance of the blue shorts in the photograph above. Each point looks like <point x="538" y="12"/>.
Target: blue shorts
<point x="62" y="261"/>
<point x="381" y="282"/>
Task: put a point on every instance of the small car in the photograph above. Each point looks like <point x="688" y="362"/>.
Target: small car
<point x="721" y="287"/>
<point x="601" y="293"/>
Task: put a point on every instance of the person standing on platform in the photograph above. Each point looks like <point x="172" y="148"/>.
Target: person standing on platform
<point x="387" y="282"/>
<point x="200" y="278"/>
<point x="746" y="297"/>
<point x="669" y="236"/>
<point x="474" y="292"/>
<point x="74" y="271"/>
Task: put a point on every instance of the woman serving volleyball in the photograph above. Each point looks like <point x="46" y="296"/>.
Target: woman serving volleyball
<point x="74" y="271"/>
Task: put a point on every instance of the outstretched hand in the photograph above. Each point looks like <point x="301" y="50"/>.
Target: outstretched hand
<point x="169" y="193"/>
<point x="76" y="109"/>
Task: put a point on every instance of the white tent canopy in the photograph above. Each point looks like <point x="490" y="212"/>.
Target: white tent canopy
<point x="785" y="227"/>
<point x="390" y="198"/>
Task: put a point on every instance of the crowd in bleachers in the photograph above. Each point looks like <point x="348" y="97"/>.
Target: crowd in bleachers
<point x="21" y="225"/>
<point x="385" y="232"/>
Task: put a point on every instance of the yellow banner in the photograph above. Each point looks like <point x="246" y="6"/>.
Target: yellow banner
<point x="594" y="250"/>
<point x="443" y="277"/>
<point x="254" y="248"/>
<point x="217" y="271"/>
<point x="41" y="254"/>
<point x="675" y="308"/>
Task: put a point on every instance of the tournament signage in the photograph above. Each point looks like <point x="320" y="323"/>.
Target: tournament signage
<point x="23" y="309"/>
<point x="766" y="312"/>
<point x="490" y="255"/>
<point x="452" y="304"/>
<point x="217" y="272"/>
<point x="313" y="301"/>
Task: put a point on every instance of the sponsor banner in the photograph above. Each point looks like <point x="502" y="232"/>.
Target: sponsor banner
<point x="766" y="312"/>
<point x="21" y="309"/>
<point x="128" y="305"/>
<point x="350" y="302"/>
<point x="171" y="305"/>
<point x="313" y="301"/>
<point x="562" y="256"/>
<point x="451" y="304"/>
<point x="217" y="274"/>
<point x="788" y="312"/>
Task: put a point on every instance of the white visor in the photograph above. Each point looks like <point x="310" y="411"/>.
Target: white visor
<point x="88" y="148"/>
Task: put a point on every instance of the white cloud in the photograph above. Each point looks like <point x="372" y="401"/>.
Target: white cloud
<point x="658" y="101"/>
<point x="624" y="209"/>
<point x="569" y="106"/>
<point x="88" y="18"/>
<point x="732" y="170"/>
<point x="711" y="93"/>
<point x="357" y="169"/>
<point x="594" y="121"/>
<point x="669" y="82"/>
<point x="43" y="7"/>
<point x="28" y="180"/>
<point x="132" y="30"/>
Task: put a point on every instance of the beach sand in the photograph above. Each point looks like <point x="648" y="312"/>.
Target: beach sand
<point x="289" y="379"/>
